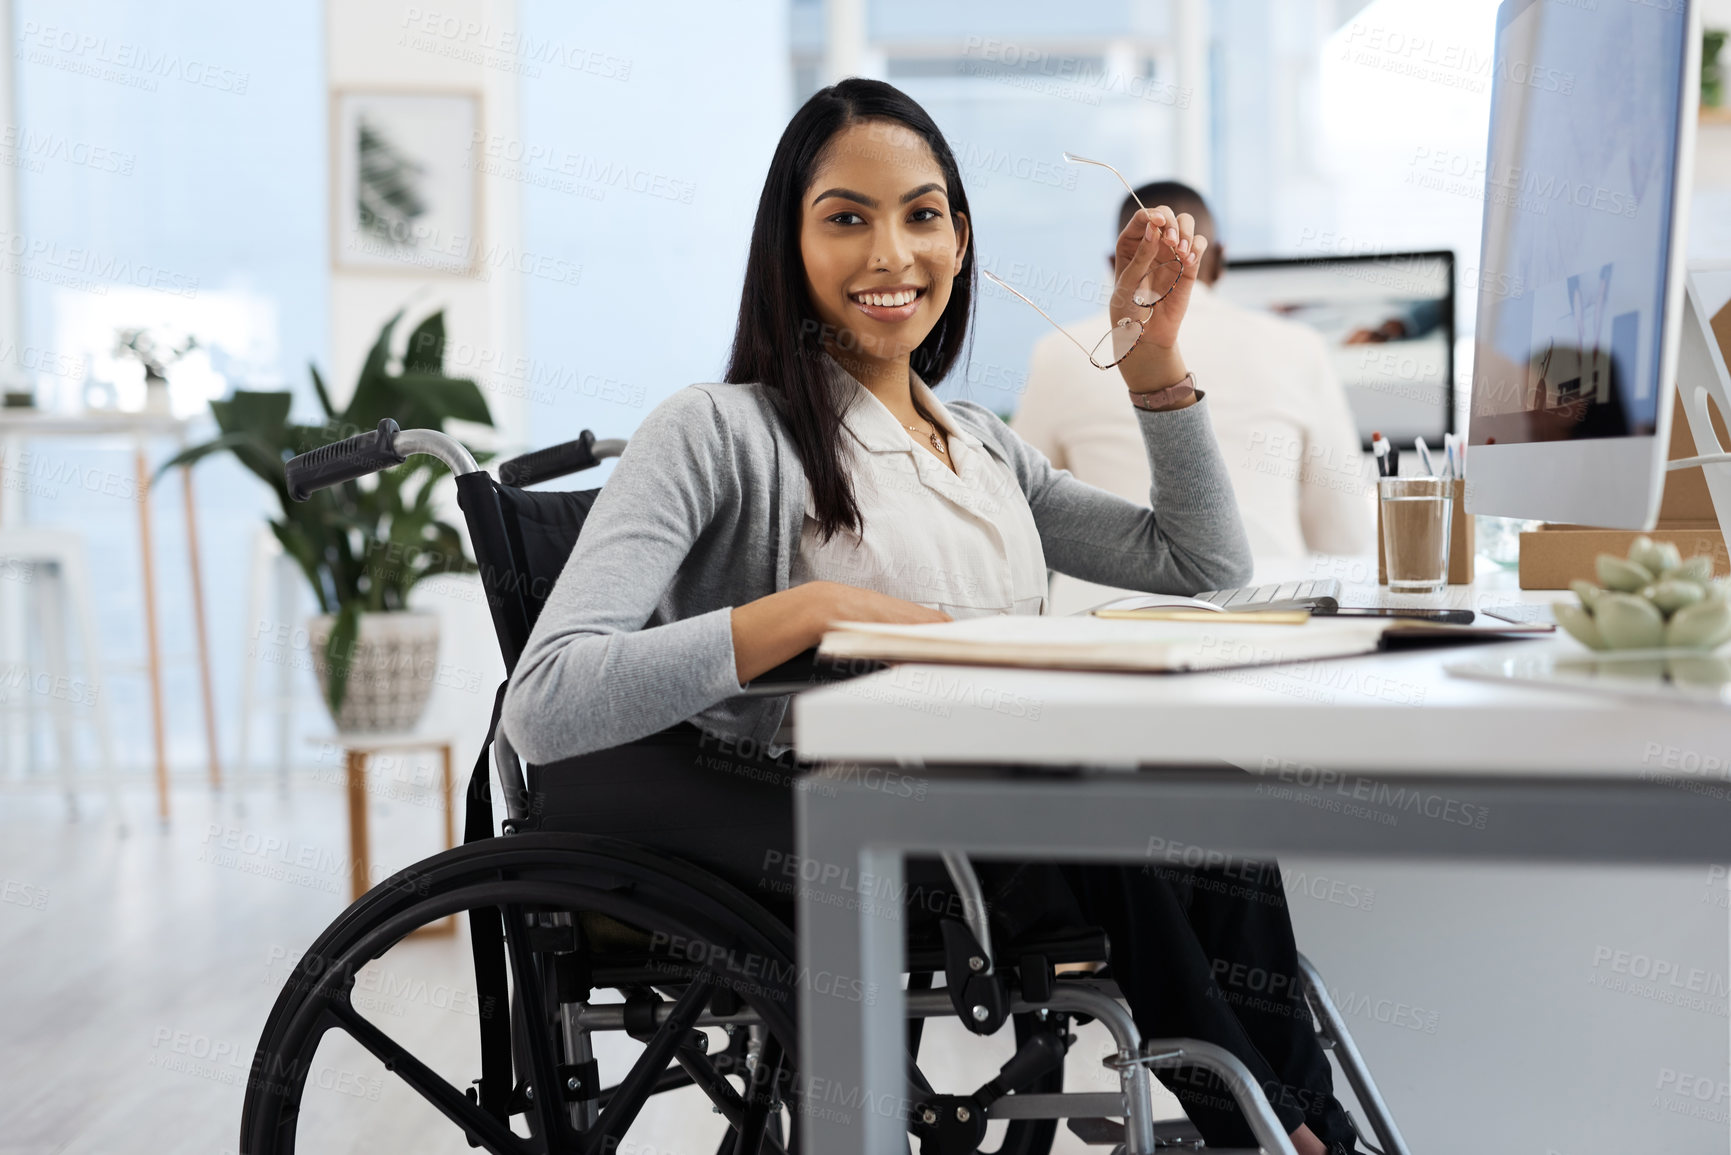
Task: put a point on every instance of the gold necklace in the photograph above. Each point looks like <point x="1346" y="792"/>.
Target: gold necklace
<point x="931" y="433"/>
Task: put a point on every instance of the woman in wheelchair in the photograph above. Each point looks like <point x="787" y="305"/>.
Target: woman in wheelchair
<point x="824" y="481"/>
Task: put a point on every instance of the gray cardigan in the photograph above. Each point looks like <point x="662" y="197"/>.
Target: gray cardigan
<point x="703" y="512"/>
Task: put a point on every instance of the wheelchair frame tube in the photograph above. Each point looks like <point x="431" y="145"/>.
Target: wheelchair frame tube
<point x="1351" y="1062"/>
<point x="435" y="444"/>
<point x="1132" y="1076"/>
<point x="967" y="885"/>
<point x="1230" y="1069"/>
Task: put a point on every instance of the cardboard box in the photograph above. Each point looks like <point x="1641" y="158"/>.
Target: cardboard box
<point x="1555" y="555"/>
<point x="1461" y="541"/>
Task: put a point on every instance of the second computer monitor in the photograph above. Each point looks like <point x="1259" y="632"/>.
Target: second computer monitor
<point x="1388" y="320"/>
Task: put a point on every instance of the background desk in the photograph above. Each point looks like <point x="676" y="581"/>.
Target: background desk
<point x="1513" y="773"/>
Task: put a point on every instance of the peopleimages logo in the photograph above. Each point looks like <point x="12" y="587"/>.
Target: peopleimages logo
<point x="74" y="260"/>
<point x="108" y="59"/>
<point x="770" y="976"/>
<point x="1370" y="791"/>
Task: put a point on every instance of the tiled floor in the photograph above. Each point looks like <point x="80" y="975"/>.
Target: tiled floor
<point x="139" y="968"/>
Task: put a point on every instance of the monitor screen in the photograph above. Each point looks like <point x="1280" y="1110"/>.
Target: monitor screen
<point x="1578" y="219"/>
<point x="1388" y="320"/>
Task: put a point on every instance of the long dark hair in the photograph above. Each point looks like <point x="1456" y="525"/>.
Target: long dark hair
<point x="779" y="339"/>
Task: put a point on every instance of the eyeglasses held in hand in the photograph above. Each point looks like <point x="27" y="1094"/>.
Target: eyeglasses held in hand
<point x="1116" y="344"/>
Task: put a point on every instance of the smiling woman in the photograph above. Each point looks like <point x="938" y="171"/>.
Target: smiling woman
<point x="863" y="205"/>
<point x="881" y="249"/>
<point x="823" y="482"/>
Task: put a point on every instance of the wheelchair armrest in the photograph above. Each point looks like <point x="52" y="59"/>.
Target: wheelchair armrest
<point x="807" y="670"/>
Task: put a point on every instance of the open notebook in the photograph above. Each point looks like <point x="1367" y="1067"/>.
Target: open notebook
<point x="1090" y="643"/>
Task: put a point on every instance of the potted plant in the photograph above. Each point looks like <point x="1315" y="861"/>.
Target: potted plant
<point x="365" y="544"/>
<point x="157" y="351"/>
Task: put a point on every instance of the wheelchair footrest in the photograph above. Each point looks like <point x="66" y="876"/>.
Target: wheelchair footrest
<point x="1169" y="1134"/>
<point x="1180" y="1135"/>
<point x="1097" y="1132"/>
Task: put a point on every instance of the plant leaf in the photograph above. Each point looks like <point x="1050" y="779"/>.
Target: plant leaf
<point x="298" y="545"/>
<point x="193" y="454"/>
<point x="426" y="351"/>
<point x="323" y="393"/>
<point x="367" y="404"/>
<point x="444" y="398"/>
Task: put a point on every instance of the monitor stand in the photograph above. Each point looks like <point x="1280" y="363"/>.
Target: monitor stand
<point x="1702" y="374"/>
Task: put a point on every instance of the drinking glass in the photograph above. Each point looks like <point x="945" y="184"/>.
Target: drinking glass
<point x="1416" y="512"/>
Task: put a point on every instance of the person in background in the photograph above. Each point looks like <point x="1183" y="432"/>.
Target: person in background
<point x="1407" y="321"/>
<point x="1289" y="442"/>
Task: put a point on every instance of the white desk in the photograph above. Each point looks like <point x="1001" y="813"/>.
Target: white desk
<point x="1465" y="770"/>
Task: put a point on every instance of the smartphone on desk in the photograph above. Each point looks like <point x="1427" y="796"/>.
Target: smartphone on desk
<point x="1449" y="617"/>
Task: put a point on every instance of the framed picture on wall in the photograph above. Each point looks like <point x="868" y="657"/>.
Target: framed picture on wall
<point x="405" y="193"/>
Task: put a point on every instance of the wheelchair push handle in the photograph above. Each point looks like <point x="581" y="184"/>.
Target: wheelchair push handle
<point x="346" y="460"/>
<point x="546" y="464"/>
<point x="558" y="460"/>
<point x="368" y="453"/>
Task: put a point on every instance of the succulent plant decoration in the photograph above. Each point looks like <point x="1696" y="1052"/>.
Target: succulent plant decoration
<point x="1651" y="600"/>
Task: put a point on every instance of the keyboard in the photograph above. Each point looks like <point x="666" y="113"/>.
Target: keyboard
<point x="1322" y="594"/>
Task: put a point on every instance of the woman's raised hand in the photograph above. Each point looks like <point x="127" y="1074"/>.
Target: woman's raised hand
<point x="1156" y="261"/>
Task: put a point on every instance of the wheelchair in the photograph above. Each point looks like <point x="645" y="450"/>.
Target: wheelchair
<point x="572" y="936"/>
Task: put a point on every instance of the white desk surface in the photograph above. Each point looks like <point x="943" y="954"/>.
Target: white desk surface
<point x="1384" y="713"/>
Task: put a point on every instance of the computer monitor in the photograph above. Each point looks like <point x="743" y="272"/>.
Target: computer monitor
<point x="1581" y="290"/>
<point x="1389" y="322"/>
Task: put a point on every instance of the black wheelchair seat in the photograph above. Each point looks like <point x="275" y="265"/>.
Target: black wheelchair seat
<point x="1081" y="944"/>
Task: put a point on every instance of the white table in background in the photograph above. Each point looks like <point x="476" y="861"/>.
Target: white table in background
<point x="20" y="425"/>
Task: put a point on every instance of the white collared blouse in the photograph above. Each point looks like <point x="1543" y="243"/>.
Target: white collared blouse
<point x="963" y="542"/>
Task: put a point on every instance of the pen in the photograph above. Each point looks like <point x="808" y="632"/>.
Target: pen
<point x="1379" y="447"/>
<point x="1424" y="457"/>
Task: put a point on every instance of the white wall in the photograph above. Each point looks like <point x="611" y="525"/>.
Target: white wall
<point x="376" y="45"/>
<point x="1498" y="1009"/>
<point x="653" y="160"/>
<point x="384" y="45"/>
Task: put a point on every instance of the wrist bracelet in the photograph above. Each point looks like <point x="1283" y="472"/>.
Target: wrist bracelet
<point x="1172" y="397"/>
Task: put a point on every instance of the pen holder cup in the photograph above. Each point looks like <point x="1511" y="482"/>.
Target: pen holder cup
<point x="1432" y="534"/>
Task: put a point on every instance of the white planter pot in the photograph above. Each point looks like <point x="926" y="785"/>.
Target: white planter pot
<point x="392" y="673"/>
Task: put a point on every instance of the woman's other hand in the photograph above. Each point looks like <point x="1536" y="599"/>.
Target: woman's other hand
<point x="780" y="626"/>
<point x="831" y="602"/>
<point x="1157" y="257"/>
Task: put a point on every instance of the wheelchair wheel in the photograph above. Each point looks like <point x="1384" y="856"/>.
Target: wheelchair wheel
<point x="581" y="917"/>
